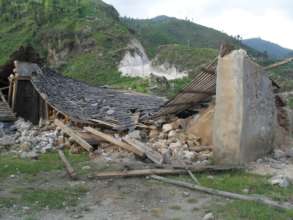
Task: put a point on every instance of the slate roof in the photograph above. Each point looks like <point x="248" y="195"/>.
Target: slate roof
<point x="80" y="101"/>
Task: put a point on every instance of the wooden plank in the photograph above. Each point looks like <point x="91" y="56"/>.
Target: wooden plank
<point x="67" y="165"/>
<point x="201" y="148"/>
<point x="137" y="173"/>
<point x="278" y="64"/>
<point x="107" y="124"/>
<point x="151" y="154"/>
<point x="166" y="171"/>
<point x="4" y="88"/>
<point x="74" y="135"/>
<point x="114" y="141"/>
<point x="211" y="191"/>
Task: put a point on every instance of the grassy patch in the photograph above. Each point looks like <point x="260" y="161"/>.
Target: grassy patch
<point x="175" y="207"/>
<point x="236" y="182"/>
<point x="157" y="212"/>
<point x="192" y="200"/>
<point x="41" y="198"/>
<point x="12" y="165"/>
<point x="250" y="210"/>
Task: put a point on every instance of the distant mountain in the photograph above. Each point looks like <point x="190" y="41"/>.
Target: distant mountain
<point x="163" y="30"/>
<point x="273" y="50"/>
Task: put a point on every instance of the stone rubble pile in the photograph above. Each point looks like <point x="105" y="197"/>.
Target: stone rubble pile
<point x="174" y="144"/>
<point x="27" y="140"/>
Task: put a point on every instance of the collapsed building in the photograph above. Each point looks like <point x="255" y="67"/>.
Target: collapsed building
<point x="228" y="111"/>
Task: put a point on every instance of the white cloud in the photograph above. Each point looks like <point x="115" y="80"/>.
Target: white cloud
<point x="270" y="19"/>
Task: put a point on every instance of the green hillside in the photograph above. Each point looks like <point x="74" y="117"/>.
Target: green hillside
<point x="83" y="39"/>
<point x="86" y="40"/>
<point x="167" y="30"/>
<point x="185" y="58"/>
<point x="273" y="51"/>
<point x="284" y="76"/>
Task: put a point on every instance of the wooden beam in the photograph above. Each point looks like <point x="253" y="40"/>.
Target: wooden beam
<point x="115" y="141"/>
<point x="4" y="88"/>
<point x="278" y="64"/>
<point x="189" y="104"/>
<point x="253" y="198"/>
<point x="104" y="123"/>
<point x="76" y="137"/>
<point x="150" y="153"/>
<point x="137" y="173"/>
<point x="67" y="165"/>
<point x="164" y="171"/>
<point x="199" y="92"/>
<point x="201" y="148"/>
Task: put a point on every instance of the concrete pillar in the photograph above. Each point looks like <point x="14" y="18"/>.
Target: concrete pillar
<point x="245" y="113"/>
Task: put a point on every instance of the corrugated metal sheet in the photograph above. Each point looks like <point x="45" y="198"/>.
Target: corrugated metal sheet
<point x="202" y="87"/>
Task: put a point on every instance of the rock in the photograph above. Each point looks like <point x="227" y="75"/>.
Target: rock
<point x="186" y="194"/>
<point x="209" y="216"/>
<point x="280" y="180"/>
<point x="135" y="135"/>
<point x="163" y="135"/>
<point x="172" y="134"/>
<point x="167" y="127"/>
<point x="86" y="168"/>
<point x="259" y="161"/>
<point x="174" y="146"/>
<point x="25" y="146"/>
<point x="153" y="133"/>
<point x="278" y="154"/>
<point x="29" y="155"/>
<point x="245" y="94"/>
<point x="7" y="140"/>
<point x="290" y="153"/>
<point x="202" y="126"/>
<point x="189" y="155"/>
<point x="246" y="191"/>
<point x="60" y="140"/>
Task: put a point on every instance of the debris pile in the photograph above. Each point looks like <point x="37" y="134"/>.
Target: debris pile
<point x="176" y="145"/>
<point x="27" y="140"/>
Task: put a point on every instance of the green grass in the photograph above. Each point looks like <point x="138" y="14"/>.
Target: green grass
<point x="12" y="165"/>
<point x="185" y="58"/>
<point x="53" y="198"/>
<point x="175" y="207"/>
<point x="237" y="182"/>
<point x="250" y="211"/>
<point x="283" y="75"/>
<point x="28" y="171"/>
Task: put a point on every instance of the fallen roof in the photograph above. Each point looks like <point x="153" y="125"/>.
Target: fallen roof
<point x="202" y="87"/>
<point x="80" y="101"/>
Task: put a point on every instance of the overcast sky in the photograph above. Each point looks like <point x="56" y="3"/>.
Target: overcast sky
<point x="269" y="19"/>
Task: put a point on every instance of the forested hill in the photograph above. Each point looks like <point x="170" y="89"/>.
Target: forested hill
<point x="164" y="30"/>
<point x="274" y="51"/>
<point x="81" y="38"/>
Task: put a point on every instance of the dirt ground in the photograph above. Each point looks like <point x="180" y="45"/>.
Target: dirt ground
<point x="131" y="198"/>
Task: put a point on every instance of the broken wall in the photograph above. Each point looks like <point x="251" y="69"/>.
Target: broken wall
<point x="245" y="113"/>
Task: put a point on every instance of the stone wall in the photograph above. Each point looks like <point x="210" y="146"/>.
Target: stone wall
<point x="245" y="113"/>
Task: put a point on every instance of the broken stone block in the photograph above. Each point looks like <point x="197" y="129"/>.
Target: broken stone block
<point x="167" y="127"/>
<point x="171" y="134"/>
<point x="202" y="126"/>
<point x="135" y="134"/>
<point x="280" y="180"/>
<point x="153" y="133"/>
<point x="245" y="112"/>
<point x="278" y="154"/>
